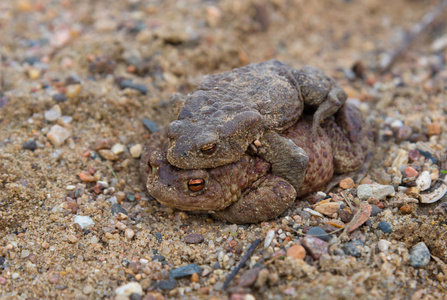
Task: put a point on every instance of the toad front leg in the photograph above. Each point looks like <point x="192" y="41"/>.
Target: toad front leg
<point x="320" y="91"/>
<point x="268" y="197"/>
<point x="288" y="160"/>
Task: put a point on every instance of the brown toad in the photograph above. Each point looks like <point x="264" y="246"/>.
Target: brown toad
<point x="245" y="191"/>
<point x="247" y="107"/>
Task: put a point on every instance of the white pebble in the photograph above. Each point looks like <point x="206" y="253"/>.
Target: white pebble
<point x="136" y="150"/>
<point x="269" y="238"/>
<point x="58" y="135"/>
<point x="424" y="181"/>
<point x="70" y="187"/>
<point x="118" y="149"/>
<point x="365" y="191"/>
<point x="383" y="245"/>
<point x="66" y="119"/>
<point x="53" y="114"/>
<point x="84" y="221"/>
<point x="143" y="261"/>
<point x="321" y="195"/>
<point x="129" y="233"/>
<point x="129" y="289"/>
<point x="397" y="124"/>
<point x="313" y="212"/>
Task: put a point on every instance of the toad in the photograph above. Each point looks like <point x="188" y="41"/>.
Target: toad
<point x="246" y="191"/>
<point x="246" y="109"/>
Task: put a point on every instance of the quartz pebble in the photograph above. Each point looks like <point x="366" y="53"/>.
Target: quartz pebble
<point x="269" y="238"/>
<point x="129" y="289"/>
<point x="129" y="233"/>
<point x="118" y="149"/>
<point x="108" y="154"/>
<point x="136" y="150"/>
<point x="84" y="221"/>
<point x="365" y="191"/>
<point x="419" y="255"/>
<point x="57" y="135"/>
<point x="383" y="245"/>
<point x="423" y="182"/>
<point x="53" y="114"/>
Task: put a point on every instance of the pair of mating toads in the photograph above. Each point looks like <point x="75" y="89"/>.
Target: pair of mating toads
<point x="244" y="144"/>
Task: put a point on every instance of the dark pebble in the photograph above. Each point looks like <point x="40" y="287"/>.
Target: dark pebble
<point x="385" y="227"/>
<point x="127" y="83"/>
<point x="185" y="271"/>
<point x="158" y="257"/>
<point x="375" y="210"/>
<point x="403" y="133"/>
<point x="59" y="98"/>
<point x="194" y="238"/>
<point x="419" y="255"/>
<point x="151" y="126"/>
<point x="135" y="296"/>
<point x="130" y="197"/>
<point x="429" y="156"/>
<point x="319" y="233"/>
<point x="30" y="145"/>
<point x="31" y="60"/>
<point x="345" y="215"/>
<point x="159" y="237"/>
<point x="354" y="248"/>
<point x="417" y="137"/>
<point x="116" y="208"/>
<point x="167" y="285"/>
<point x="2" y="260"/>
<point x="414" y="155"/>
<point x="216" y="266"/>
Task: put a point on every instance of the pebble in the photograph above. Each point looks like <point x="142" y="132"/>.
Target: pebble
<point x="24" y="254"/>
<point x="127" y="83"/>
<point x="118" y="149"/>
<point x="419" y="255"/>
<point x="385" y="227"/>
<point x="88" y="289"/>
<point x="86" y="176"/>
<point x="194" y="238"/>
<point x="185" y="271"/>
<point x="315" y="246"/>
<point x="72" y="239"/>
<point x="167" y="285"/>
<point x="423" y="182"/>
<point x="30" y="145"/>
<point x="365" y="191"/>
<point x="403" y="133"/>
<point x="53" y="114"/>
<point x="410" y="172"/>
<point x="136" y="150"/>
<point x="414" y="155"/>
<point x="354" y="248"/>
<point x="361" y="216"/>
<point x="195" y="277"/>
<point x="129" y="233"/>
<point x="383" y="245"/>
<point x="406" y="209"/>
<point x="269" y="238"/>
<point x="121" y="226"/>
<point x="328" y="209"/>
<point x="248" y="278"/>
<point x="129" y="289"/>
<point x="433" y="129"/>
<point x="72" y="90"/>
<point x="400" y="159"/>
<point x="59" y="97"/>
<point x="3" y="281"/>
<point x="347" y="183"/>
<point x="297" y="252"/>
<point x="375" y="210"/>
<point x="108" y="154"/>
<point x="151" y="126"/>
<point x="58" y="134"/>
<point x="319" y="233"/>
<point x="84" y="221"/>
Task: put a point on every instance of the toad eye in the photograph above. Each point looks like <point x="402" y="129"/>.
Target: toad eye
<point x="208" y="149"/>
<point x="149" y="167"/>
<point x="196" y="185"/>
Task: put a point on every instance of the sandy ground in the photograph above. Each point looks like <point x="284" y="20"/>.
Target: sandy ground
<point x="64" y="104"/>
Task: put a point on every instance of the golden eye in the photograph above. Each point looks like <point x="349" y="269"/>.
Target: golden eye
<point x="196" y="185"/>
<point x="208" y="149"/>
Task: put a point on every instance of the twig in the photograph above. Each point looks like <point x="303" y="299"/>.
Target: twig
<point x="242" y="262"/>
<point x="417" y="29"/>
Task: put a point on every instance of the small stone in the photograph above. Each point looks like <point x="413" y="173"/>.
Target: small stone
<point x="88" y="289"/>
<point x="136" y="150"/>
<point x="328" y="209"/>
<point x="361" y="216"/>
<point x="346" y="215"/>
<point x="385" y="227"/>
<point x="319" y="233"/>
<point x="3" y="281"/>
<point x="347" y="183"/>
<point x="383" y="245"/>
<point x="151" y="126"/>
<point x="30" y="145"/>
<point x="45" y="245"/>
<point x="433" y="129"/>
<point x="108" y="154"/>
<point x="354" y="248"/>
<point x="58" y="134"/>
<point x="120" y="226"/>
<point x="315" y="246"/>
<point x="403" y="133"/>
<point x="59" y="98"/>
<point x="185" y="271"/>
<point x="248" y="278"/>
<point x="86" y="176"/>
<point x="297" y="252"/>
<point x="72" y="90"/>
<point x="167" y="285"/>
<point x="213" y="16"/>
<point x="423" y="182"/>
<point x="195" y="277"/>
<point x="72" y="239"/>
<point x="269" y="238"/>
<point x="414" y="155"/>
<point x="53" y="114"/>
<point x="410" y="172"/>
<point x="129" y="289"/>
<point x="127" y="83"/>
<point x="33" y="73"/>
<point x="400" y="159"/>
<point x="419" y="255"/>
<point x="365" y="191"/>
<point x="375" y="210"/>
<point x="53" y="278"/>
<point x="15" y="275"/>
<point x="129" y="233"/>
<point x="406" y="209"/>
<point x="24" y="254"/>
<point x="194" y="238"/>
<point x="117" y="149"/>
<point x="84" y="221"/>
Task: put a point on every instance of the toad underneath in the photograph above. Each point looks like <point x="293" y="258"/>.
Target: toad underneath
<point x="246" y="191"/>
<point x="246" y="108"/>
